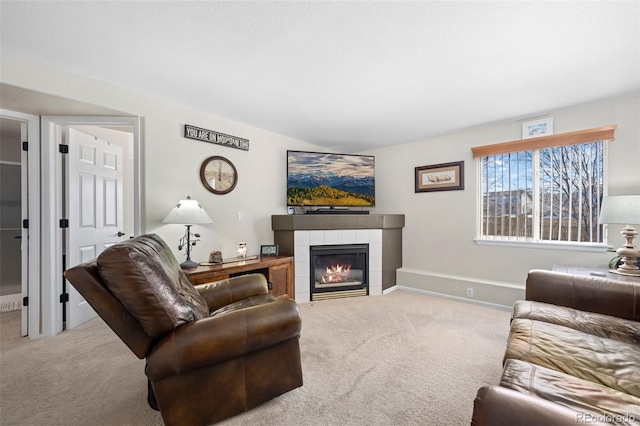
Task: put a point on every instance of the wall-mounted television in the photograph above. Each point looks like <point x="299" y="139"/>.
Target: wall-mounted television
<point x="330" y="180"/>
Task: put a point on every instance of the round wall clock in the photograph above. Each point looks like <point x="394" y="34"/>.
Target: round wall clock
<point x="218" y="175"/>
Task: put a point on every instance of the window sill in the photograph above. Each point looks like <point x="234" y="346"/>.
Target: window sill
<point x="556" y="245"/>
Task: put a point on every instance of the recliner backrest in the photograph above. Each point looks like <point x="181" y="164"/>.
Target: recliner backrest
<point x="138" y="288"/>
<point x="144" y="275"/>
<point x="86" y="279"/>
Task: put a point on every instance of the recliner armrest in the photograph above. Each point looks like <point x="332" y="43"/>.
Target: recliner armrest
<point x="221" y="293"/>
<point x="222" y="337"/>
<point x="586" y="293"/>
<point x="498" y="406"/>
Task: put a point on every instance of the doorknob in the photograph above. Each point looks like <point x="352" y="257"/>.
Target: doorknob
<point x="120" y="233"/>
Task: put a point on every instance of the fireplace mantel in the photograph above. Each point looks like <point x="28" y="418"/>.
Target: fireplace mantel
<point x="295" y="233"/>
<point x="292" y="222"/>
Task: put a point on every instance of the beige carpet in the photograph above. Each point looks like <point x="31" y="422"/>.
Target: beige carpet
<point x="398" y="359"/>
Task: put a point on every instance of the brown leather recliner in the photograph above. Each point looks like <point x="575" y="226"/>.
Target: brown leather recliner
<point x="213" y="350"/>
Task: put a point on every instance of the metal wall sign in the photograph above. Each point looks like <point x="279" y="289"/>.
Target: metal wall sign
<point x="210" y="136"/>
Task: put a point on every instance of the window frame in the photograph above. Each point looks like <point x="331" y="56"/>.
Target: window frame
<point x="604" y="134"/>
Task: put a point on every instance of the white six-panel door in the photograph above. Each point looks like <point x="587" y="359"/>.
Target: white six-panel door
<point x="94" y="208"/>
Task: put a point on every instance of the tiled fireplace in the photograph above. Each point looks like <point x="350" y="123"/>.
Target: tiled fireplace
<point x="381" y="234"/>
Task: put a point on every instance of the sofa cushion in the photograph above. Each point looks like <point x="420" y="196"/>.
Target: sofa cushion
<point x="580" y="395"/>
<point x="597" y="324"/>
<point x="145" y="277"/>
<point x="609" y="362"/>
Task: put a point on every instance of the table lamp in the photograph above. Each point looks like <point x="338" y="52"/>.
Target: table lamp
<point x="623" y="210"/>
<point x="188" y="212"/>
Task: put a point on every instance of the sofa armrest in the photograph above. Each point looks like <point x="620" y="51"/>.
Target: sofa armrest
<point x="498" y="406"/>
<point x="222" y="337"/>
<point x="224" y="292"/>
<point x="586" y="293"/>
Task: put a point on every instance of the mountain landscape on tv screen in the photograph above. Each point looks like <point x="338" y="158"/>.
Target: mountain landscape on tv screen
<point x="330" y="189"/>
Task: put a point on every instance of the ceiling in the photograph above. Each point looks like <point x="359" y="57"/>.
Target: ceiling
<point x="346" y="75"/>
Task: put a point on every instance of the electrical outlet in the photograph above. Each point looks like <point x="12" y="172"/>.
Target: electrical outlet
<point x="469" y="291"/>
<point x="240" y="215"/>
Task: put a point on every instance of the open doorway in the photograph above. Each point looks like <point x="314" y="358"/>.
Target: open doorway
<point x="11" y="216"/>
<point x="44" y="315"/>
<point x="20" y="186"/>
<point x="63" y="195"/>
<point x="10" y="231"/>
<point x="42" y="115"/>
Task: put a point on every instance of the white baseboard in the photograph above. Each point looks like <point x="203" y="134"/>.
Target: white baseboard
<point x="501" y="295"/>
<point x="460" y="299"/>
<point x="390" y="289"/>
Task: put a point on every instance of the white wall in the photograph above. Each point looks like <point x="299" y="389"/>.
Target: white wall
<point x="439" y="252"/>
<point x="171" y="163"/>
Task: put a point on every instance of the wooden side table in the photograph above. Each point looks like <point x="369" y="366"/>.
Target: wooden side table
<point x="278" y="270"/>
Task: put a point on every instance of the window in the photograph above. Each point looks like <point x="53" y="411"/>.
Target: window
<point x="551" y="192"/>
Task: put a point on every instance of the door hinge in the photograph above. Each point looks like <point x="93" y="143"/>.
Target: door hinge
<point x="25" y="223"/>
<point x="64" y="297"/>
<point x="25" y="146"/>
<point x="64" y="149"/>
<point x="25" y="301"/>
<point x="64" y="223"/>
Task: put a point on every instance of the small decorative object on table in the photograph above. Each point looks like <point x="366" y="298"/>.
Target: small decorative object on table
<point x="215" y="257"/>
<point x="242" y="249"/>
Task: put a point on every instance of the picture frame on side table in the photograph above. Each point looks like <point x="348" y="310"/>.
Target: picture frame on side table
<point x="537" y="128"/>
<point x="269" y="250"/>
<point x="440" y="177"/>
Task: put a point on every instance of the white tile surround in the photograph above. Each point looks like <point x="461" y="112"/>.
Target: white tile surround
<point x="303" y="239"/>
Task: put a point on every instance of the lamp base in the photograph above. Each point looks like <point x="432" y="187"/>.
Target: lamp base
<point x="628" y="254"/>
<point x="188" y="264"/>
<point x="626" y="273"/>
<point x="629" y="258"/>
<point x="628" y="266"/>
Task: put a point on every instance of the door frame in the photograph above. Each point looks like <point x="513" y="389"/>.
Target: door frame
<point x="30" y="209"/>
<point x="52" y="207"/>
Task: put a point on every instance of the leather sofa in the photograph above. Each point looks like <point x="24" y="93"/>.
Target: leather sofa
<point x="213" y="350"/>
<point x="572" y="357"/>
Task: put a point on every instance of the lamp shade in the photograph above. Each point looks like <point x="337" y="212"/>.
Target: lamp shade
<point x="620" y="209"/>
<point x="187" y="212"/>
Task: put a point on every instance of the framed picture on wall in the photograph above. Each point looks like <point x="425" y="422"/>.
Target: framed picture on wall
<point x="537" y="128"/>
<point x="440" y="177"/>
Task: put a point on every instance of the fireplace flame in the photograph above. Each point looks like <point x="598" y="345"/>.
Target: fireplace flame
<point x="336" y="274"/>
